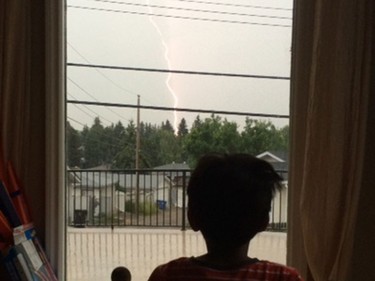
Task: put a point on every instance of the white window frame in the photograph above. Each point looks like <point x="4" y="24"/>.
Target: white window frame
<point x="55" y="134"/>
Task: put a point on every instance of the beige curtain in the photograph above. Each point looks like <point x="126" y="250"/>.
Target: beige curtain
<point x="32" y="111"/>
<point x="332" y="191"/>
<point x="22" y="99"/>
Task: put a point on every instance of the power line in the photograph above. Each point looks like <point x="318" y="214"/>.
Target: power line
<point x="70" y="118"/>
<point x="179" y="71"/>
<point x="77" y="104"/>
<point x="192" y="10"/>
<point x="235" y="5"/>
<point x="121" y="142"/>
<point x="180" y="109"/>
<point x="78" y="107"/>
<point x="88" y="114"/>
<point x="82" y="89"/>
<point x="177" y="17"/>
<point x="101" y="73"/>
<point x="102" y="134"/>
<point x="105" y="76"/>
<point x="99" y="141"/>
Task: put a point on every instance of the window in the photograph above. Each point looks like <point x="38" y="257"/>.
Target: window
<point x="222" y="67"/>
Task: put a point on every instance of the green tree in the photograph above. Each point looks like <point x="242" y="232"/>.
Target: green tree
<point x="169" y="148"/>
<point x="112" y="139"/>
<point x="73" y="146"/>
<point x="167" y="126"/>
<point x="259" y="136"/>
<point x="125" y="158"/>
<point x="229" y="139"/>
<point x="284" y="138"/>
<point x="182" y="132"/>
<point x="182" y="129"/>
<point x="197" y="122"/>
<point x="160" y="145"/>
<point x="95" y="144"/>
<point x="211" y="135"/>
<point x="150" y="152"/>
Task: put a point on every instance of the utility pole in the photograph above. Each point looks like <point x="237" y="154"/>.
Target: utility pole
<point x="137" y="149"/>
<point x="138" y="138"/>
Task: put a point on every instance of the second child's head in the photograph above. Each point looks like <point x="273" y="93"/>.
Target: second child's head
<point x="121" y="273"/>
<point x="230" y="197"/>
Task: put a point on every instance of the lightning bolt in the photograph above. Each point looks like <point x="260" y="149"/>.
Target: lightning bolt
<point x="168" y="61"/>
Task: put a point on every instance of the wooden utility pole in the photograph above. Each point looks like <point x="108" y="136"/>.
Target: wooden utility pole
<point x="137" y="149"/>
<point x="138" y="138"/>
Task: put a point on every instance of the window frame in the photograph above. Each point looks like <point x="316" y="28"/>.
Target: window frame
<point x="55" y="21"/>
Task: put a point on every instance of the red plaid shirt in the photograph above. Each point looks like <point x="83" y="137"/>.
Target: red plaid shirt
<point x="189" y="269"/>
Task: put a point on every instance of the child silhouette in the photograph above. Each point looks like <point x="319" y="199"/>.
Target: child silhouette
<point x="120" y="273"/>
<point x="229" y="203"/>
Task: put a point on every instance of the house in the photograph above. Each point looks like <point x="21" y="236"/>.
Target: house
<point x="179" y="174"/>
<point x="90" y="192"/>
<point x="173" y="167"/>
<point x="279" y="208"/>
<point x="96" y="192"/>
<point x="144" y="187"/>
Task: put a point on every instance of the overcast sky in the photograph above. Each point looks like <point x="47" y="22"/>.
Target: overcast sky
<point x="221" y="36"/>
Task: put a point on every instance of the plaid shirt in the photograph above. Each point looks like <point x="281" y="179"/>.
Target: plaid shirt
<point x="189" y="269"/>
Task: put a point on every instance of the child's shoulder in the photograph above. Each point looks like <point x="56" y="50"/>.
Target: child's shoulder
<point x="177" y="269"/>
<point x="172" y="268"/>
<point x="176" y="263"/>
<point x="275" y="269"/>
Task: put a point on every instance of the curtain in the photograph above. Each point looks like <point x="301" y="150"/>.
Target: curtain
<point x="332" y="191"/>
<point x="22" y="99"/>
<point x="32" y="68"/>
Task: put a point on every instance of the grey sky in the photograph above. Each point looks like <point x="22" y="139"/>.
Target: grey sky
<point x="134" y="40"/>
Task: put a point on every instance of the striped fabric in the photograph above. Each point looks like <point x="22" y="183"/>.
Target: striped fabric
<point x="189" y="269"/>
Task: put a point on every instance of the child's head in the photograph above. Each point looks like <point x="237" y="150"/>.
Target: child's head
<point x="230" y="197"/>
<point x="121" y="273"/>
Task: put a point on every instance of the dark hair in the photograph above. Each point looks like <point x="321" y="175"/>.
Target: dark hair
<point x="121" y="273"/>
<point x="230" y="196"/>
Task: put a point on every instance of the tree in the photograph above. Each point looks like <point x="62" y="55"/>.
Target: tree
<point x="228" y="137"/>
<point x="182" y="129"/>
<point x="259" y="136"/>
<point x="167" y="126"/>
<point x="160" y="146"/>
<point x="95" y="144"/>
<point x="113" y="138"/>
<point x="116" y="144"/>
<point x="150" y="152"/>
<point x="73" y="146"/>
<point x="125" y="158"/>
<point x="197" y="122"/>
<point x="170" y="146"/>
<point x="182" y="132"/>
<point x="211" y="135"/>
<point x="284" y="138"/>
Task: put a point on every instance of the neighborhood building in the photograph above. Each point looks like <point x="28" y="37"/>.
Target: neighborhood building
<point x="104" y="192"/>
<point x="279" y="160"/>
<point x="96" y="191"/>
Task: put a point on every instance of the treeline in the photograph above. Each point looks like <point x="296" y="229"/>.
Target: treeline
<point x="115" y="145"/>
